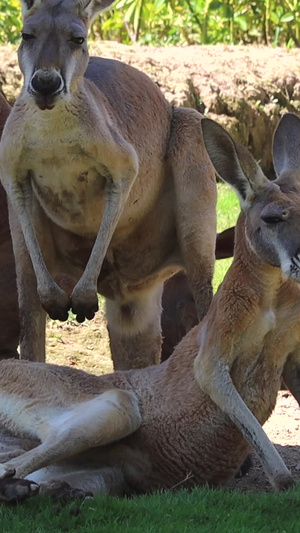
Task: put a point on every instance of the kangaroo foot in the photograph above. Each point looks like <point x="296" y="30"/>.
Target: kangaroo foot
<point x="13" y="490"/>
<point x="62" y="491"/>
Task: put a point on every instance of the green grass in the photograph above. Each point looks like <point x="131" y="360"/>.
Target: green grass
<point x="228" y="209"/>
<point x="203" y="510"/>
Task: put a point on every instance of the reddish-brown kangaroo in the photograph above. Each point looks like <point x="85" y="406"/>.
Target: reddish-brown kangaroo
<point x="179" y="312"/>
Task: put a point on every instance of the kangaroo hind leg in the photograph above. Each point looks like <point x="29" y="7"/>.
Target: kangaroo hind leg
<point x="106" y="418"/>
<point x="64" y="482"/>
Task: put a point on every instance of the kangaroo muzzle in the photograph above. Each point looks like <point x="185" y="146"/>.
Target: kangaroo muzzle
<point x="46" y="82"/>
<point x="45" y="85"/>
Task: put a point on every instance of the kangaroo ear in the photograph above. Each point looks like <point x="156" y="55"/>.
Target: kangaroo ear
<point x="27" y="5"/>
<point x="232" y="162"/>
<point x="91" y="8"/>
<point x="88" y="8"/>
<point x="286" y="144"/>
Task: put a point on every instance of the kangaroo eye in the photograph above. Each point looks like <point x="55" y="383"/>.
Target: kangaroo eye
<point x="272" y="220"/>
<point x="77" y="40"/>
<point x="27" y="36"/>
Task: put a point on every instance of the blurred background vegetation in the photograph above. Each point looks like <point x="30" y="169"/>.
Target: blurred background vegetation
<point x="184" y="22"/>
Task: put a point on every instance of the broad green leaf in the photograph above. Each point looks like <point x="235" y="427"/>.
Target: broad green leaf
<point x="287" y="17"/>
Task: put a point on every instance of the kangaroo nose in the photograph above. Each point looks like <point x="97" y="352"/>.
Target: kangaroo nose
<point x="46" y="82"/>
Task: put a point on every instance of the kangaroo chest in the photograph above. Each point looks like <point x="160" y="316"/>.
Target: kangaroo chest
<point x="69" y="189"/>
<point x="67" y="178"/>
<point x="271" y="336"/>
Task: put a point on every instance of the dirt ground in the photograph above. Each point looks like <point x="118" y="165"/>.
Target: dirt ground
<point x="283" y="428"/>
<point x="86" y="346"/>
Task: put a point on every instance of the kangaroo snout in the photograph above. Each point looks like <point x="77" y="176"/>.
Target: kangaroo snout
<point x="46" y="82"/>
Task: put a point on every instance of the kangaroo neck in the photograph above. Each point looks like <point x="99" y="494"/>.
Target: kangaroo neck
<point x="265" y="278"/>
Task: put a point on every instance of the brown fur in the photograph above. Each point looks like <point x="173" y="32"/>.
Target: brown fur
<point x="112" y="188"/>
<point x="155" y="428"/>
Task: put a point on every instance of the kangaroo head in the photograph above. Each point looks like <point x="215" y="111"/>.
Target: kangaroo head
<point x="53" y="54"/>
<point x="271" y="208"/>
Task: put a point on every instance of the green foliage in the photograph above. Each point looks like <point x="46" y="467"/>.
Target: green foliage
<point x="10" y="21"/>
<point x="184" y="22"/>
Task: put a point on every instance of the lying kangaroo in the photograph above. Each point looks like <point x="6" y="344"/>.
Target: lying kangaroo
<point x="155" y="428"/>
<point x="112" y="188"/>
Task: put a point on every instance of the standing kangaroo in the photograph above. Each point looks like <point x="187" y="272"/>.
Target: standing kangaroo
<point x="156" y="428"/>
<point x="179" y="313"/>
<point x="112" y="188"/>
